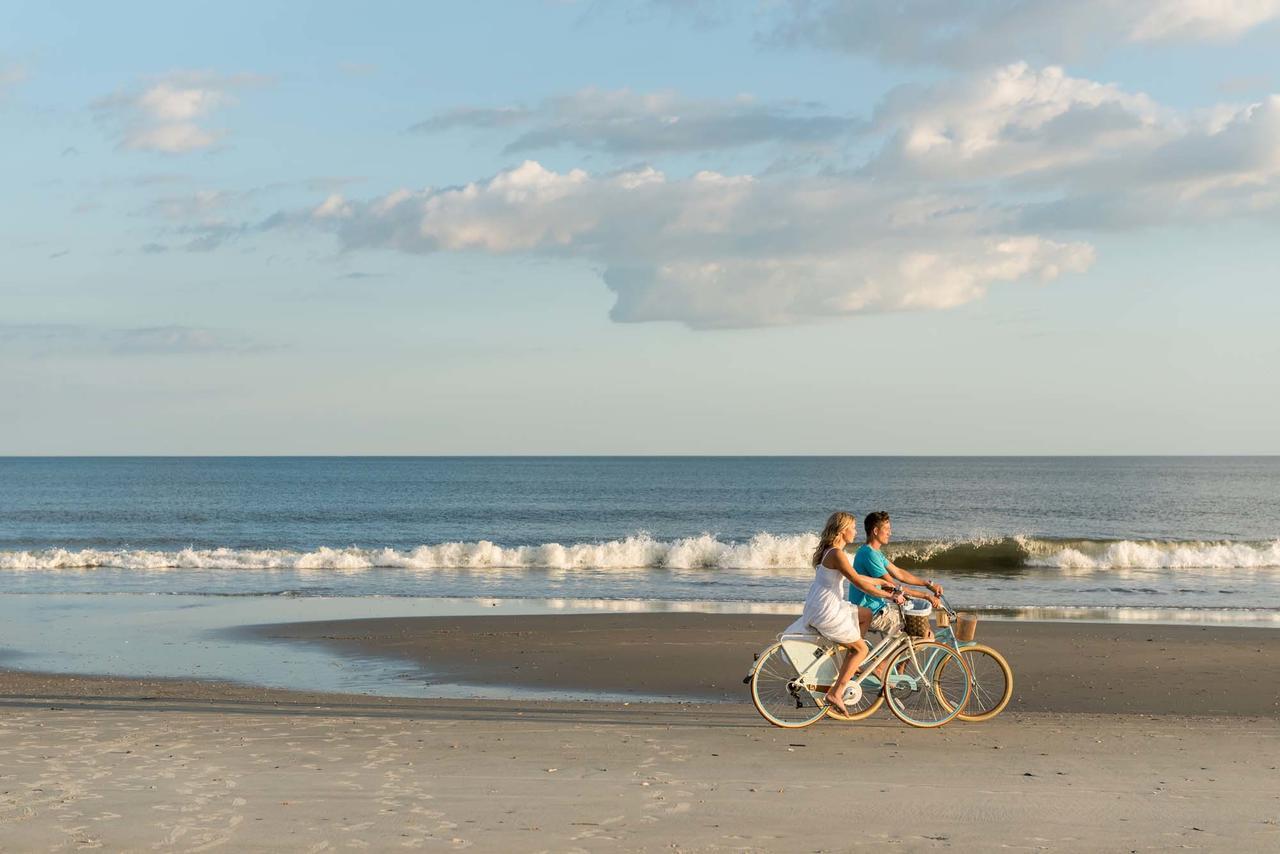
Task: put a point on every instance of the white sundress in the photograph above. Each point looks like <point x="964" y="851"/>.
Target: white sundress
<point x="827" y="609"/>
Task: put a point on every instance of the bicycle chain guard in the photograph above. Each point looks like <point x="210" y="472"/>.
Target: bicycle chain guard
<point x="853" y="694"/>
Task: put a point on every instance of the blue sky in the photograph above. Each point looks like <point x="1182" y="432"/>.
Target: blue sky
<point x="675" y="227"/>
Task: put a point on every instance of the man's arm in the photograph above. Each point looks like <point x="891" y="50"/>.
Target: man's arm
<point x="873" y="586"/>
<point x="907" y="577"/>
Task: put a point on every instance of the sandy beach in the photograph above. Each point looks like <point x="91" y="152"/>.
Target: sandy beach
<point x="1185" y="757"/>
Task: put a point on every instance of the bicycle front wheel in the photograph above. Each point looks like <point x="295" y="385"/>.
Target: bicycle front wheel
<point x="992" y="682"/>
<point x="778" y="693"/>
<point x="928" y="684"/>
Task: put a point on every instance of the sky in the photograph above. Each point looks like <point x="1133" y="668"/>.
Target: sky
<point x="680" y="227"/>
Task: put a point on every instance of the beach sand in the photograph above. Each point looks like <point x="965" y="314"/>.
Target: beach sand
<point x="1106" y="668"/>
<point x="1187" y="757"/>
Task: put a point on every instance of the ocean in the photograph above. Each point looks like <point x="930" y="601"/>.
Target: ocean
<point x="1100" y="534"/>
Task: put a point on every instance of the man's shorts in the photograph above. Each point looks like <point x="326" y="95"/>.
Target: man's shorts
<point x="887" y="620"/>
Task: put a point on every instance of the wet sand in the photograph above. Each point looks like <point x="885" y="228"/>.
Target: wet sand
<point x="1058" y="667"/>
<point x="188" y="765"/>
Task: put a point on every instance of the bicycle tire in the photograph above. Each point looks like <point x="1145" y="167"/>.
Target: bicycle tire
<point x="992" y="682"/>
<point x="915" y="694"/>
<point x="774" y="695"/>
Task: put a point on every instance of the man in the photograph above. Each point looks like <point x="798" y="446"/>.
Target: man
<point x="871" y="562"/>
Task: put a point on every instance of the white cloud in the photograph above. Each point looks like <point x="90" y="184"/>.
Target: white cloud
<point x="1015" y="120"/>
<point x="986" y="32"/>
<point x="1110" y="157"/>
<point x="1200" y="19"/>
<point x="170" y="114"/>
<point x="716" y="250"/>
<point x="635" y="123"/>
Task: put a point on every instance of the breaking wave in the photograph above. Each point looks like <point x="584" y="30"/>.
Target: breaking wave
<point x="763" y="551"/>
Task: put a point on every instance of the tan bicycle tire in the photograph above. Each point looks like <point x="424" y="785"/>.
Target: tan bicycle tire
<point x="985" y="714"/>
<point x="899" y="663"/>
<point x="760" y="704"/>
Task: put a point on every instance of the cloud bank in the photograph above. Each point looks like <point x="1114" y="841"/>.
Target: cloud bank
<point x="977" y="180"/>
<point x="718" y="250"/>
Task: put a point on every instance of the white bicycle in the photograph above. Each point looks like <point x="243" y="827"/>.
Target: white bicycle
<point x="928" y="682"/>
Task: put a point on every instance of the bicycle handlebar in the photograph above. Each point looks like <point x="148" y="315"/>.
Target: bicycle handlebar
<point x="894" y="591"/>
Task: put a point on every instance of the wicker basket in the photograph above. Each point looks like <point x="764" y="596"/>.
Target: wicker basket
<point x="915" y="618"/>
<point x="916" y="626"/>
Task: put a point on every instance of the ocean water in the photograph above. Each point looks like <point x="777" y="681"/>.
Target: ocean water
<point x="1002" y="533"/>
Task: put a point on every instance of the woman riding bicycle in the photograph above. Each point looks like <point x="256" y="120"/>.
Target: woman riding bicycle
<point x="827" y="609"/>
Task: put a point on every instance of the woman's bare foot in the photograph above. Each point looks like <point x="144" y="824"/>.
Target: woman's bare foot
<point x="836" y="701"/>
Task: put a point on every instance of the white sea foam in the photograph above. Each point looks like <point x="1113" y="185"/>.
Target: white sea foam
<point x="1128" y="554"/>
<point x="763" y="551"/>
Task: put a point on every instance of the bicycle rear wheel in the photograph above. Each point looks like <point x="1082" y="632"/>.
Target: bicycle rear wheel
<point x="992" y="682"/>
<point x="928" y="685"/>
<point x="777" y="692"/>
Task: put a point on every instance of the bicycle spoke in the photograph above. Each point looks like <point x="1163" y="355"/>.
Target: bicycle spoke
<point x="778" y="694"/>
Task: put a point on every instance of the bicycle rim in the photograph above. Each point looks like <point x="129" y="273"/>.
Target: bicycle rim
<point x="930" y="684"/>
<point x="992" y="683"/>
<point x="776" y="695"/>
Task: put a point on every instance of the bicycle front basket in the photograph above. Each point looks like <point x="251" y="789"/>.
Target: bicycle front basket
<point x="916" y="615"/>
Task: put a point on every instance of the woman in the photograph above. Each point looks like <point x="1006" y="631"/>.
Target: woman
<point x="827" y="608"/>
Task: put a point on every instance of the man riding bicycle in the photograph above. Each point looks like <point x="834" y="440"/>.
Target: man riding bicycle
<point x="870" y="561"/>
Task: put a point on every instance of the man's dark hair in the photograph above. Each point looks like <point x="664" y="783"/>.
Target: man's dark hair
<point x="873" y="521"/>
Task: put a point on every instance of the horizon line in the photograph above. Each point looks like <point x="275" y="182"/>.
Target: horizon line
<point x="690" y="455"/>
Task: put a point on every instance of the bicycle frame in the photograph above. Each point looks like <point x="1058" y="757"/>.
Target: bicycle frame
<point x="890" y="646"/>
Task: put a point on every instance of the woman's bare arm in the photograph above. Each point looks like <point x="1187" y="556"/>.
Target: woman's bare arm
<point x="839" y="561"/>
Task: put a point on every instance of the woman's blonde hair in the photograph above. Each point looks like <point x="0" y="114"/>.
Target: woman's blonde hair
<point x="836" y="523"/>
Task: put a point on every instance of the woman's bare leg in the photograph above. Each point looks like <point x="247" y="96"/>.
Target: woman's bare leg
<point x="855" y="653"/>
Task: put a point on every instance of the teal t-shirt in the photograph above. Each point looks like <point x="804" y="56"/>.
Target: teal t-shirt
<point x="873" y="564"/>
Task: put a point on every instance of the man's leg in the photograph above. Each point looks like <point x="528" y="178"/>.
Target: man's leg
<point x="885" y="621"/>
